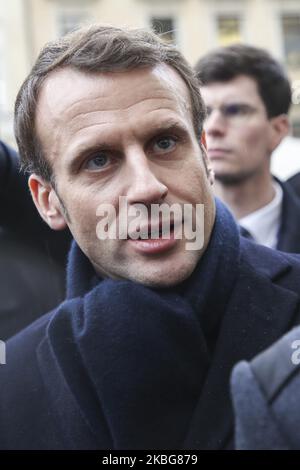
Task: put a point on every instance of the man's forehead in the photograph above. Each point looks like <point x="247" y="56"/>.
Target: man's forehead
<point x="72" y="101"/>
<point x="69" y="87"/>
<point x="240" y="88"/>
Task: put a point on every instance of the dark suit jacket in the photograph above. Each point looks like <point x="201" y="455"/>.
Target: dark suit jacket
<point x="266" y="394"/>
<point x="31" y="284"/>
<point x="289" y="232"/>
<point x="32" y="256"/>
<point x="58" y="391"/>
<point x="18" y="214"/>
<point x="294" y="182"/>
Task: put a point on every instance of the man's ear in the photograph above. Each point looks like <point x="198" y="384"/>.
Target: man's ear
<point x="280" y="127"/>
<point x="203" y="140"/>
<point x="209" y="171"/>
<point x="47" y="202"/>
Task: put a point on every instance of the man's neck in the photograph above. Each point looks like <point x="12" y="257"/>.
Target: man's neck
<point x="248" y="196"/>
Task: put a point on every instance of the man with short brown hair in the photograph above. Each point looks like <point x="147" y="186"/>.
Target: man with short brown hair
<point x="139" y="355"/>
<point x="248" y="95"/>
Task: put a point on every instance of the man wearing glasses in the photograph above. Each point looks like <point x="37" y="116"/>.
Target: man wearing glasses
<point x="139" y="354"/>
<point x="248" y="95"/>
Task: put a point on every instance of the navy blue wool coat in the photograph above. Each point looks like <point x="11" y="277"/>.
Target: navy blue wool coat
<point x="266" y="395"/>
<point x="121" y="366"/>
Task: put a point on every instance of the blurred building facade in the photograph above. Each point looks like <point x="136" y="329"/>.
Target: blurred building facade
<point x="196" y="26"/>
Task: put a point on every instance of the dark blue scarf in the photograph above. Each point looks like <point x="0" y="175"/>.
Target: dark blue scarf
<point x="141" y="355"/>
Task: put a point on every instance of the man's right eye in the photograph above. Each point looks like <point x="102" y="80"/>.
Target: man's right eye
<point x="233" y="110"/>
<point x="97" y="162"/>
<point x="238" y="109"/>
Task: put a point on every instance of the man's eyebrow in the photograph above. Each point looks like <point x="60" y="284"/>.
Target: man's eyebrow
<point x="167" y="127"/>
<point x="237" y="102"/>
<point x="232" y="102"/>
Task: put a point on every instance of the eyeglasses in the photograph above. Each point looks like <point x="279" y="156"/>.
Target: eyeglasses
<point x="233" y="111"/>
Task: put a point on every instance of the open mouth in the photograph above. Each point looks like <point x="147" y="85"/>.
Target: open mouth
<point x="153" y="232"/>
<point x="153" y="240"/>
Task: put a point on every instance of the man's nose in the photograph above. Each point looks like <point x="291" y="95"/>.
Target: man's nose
<point x="215" y="124"/>
<point x="144" y="186"/>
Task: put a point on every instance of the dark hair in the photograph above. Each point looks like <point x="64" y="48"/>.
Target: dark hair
<point x="97" y="48"/>
<point x="226" y="63"/>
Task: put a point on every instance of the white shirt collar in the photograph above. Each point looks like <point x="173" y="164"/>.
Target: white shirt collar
<point x="264" y="223"/>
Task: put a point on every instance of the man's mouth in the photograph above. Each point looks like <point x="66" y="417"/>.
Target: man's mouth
<point x="152" y="239"/>
<point x="153" y="231"/>
<point x="217" y="152"/>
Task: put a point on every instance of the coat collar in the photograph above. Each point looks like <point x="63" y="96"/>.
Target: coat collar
<point x="253" y="320"/>
<point x="288" y="236"/>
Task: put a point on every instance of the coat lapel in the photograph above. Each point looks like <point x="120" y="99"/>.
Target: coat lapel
<point x="257" y="314"/>
<point x="289" y="233"/>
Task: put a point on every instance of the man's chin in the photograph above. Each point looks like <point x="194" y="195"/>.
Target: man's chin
<point x="231" y="179"/>
<point x="164" y="278"/>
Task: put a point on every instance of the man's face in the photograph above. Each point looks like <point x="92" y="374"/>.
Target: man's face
<point x="239" y="135"/>
<point x="126" y="134"/>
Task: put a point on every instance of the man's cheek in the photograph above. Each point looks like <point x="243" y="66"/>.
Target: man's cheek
<point x="86" y="222"/>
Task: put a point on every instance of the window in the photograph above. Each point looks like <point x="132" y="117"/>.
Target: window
<point x="228" y="30"/>
<point x="291" y="39"/>
<point x="2" y="76"/>
<point x="69" y="20"/>
<point x="296" y="128"/>
<point x="164" y="27"/>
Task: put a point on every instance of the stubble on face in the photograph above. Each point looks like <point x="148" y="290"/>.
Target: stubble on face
<point x="239" y="148"/>
<point x="117" y="112"/>
<point x="234" y="179"/>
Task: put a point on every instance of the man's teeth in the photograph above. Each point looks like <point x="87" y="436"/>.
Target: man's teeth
<point x="155" y="233"/>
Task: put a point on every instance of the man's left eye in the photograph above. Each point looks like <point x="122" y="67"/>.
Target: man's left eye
<point x="99" y="161"/>
<point x="232" y="110"/>
<point x="164" y="144"/>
